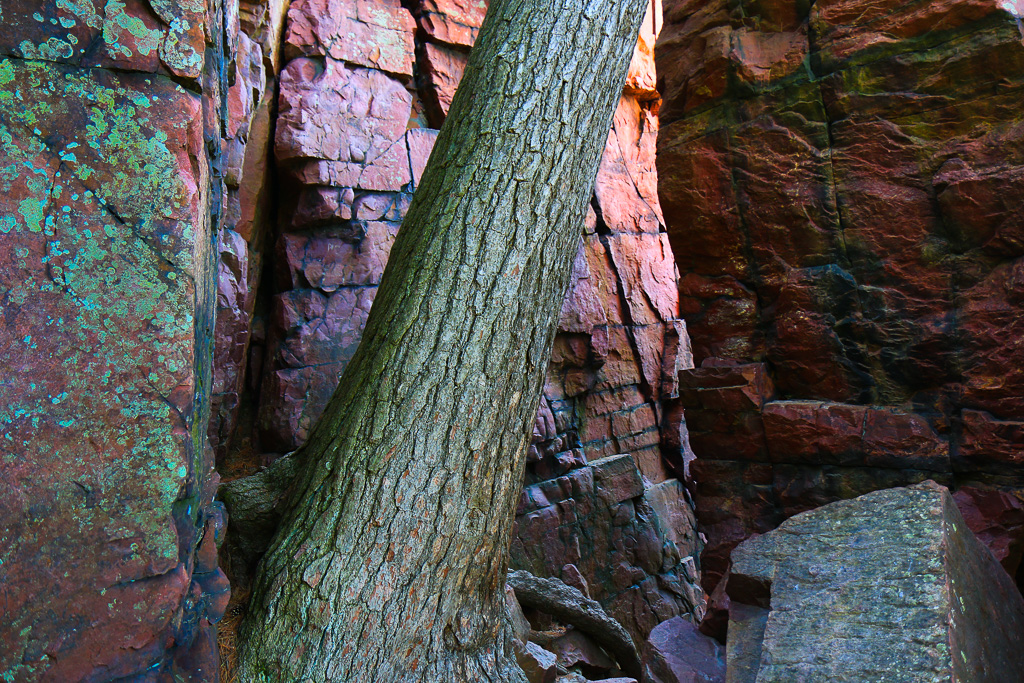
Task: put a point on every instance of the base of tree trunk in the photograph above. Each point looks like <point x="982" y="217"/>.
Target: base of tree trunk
<point x="384" y="664"/>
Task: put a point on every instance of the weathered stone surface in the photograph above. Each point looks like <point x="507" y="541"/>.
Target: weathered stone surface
<point x="834" y="180"/>
<point x="807" y="432"/>
<point x="443" y="68"/>
<point x="575" y="649"/>
<point x="451" y="21"/>
<point x="106" y="286"/>
<point x="327" y="261"/>
<point x="997" y="518"/>
<point x="723" y="404"/>
<point x="252" y="46"/>
<point x="890" y="585"/>
<point x="313" y="336"/>
<point x="641" y="81"/>
<point x="371" y="33"/>
<point x="347" y="117"/>
<point x="676" y="652"/>
<point x="537" y="663"/>
<point x="627" y="182"/>
<point x="635" y="546"/>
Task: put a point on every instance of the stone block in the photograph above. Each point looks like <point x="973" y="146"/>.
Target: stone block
<point x="617" y="477"/>
<point x="889" y="586"/>
<point x="455" y="22"/>
<point x="676" y="652"/>
<point x="372" y="33"/>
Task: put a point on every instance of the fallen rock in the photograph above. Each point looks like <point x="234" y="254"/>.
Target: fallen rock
<point x="576" y="649"/>
<point x="538" y="664"/>
<point x="570" y="606"/>
<point x="677" y="652"/>
<point x="890" y="583"/>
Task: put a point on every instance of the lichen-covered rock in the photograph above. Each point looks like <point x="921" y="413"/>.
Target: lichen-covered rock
<point x="106" y="287"/>
<point x="137" y="35"/>
<point x="891" y="585"/>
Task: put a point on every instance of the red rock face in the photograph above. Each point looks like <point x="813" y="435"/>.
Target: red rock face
<point x="107" y="272"/>
<point x="836" y="183"/>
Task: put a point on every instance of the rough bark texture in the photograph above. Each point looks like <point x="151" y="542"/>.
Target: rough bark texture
<point x="344" y="178"/>
<point x="372" y="576"/>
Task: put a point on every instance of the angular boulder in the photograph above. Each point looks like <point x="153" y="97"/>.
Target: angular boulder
<point x="677" y="652"/>
<point x="889" y="586"/>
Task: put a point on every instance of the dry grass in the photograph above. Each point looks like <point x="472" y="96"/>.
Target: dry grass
<point x="227" y="635"/>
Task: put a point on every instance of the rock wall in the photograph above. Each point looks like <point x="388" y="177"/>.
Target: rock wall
<point x="839" y="180"/>
<point x="108" y="565"/>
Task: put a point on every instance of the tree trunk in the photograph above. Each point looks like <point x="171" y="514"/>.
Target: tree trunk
<point x="390" y="562"/>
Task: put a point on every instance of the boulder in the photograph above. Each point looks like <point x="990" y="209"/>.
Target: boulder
<point x="677" y="652"/>
<point x="537" y="663"/>
<point x="888" y="586"/>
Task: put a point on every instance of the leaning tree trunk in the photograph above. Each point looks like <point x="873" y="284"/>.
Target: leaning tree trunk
<point x="390" y="562"/>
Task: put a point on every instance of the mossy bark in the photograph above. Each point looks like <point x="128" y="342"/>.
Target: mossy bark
<point x="390" y="561"/>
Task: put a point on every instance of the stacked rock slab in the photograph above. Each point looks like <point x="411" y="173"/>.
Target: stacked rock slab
<point x="838" y="180"/>
<point x="889" y="586"/>
<point x="629" y="546"/>
<point x="108" y="558"/>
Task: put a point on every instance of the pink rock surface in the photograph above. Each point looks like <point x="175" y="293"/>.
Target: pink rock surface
<point x="455" y="22"/>
<point x="371" y="33"/>
<point x="442" y="69"/>
<point x="352" y="117"/>
<point x="627" y="183"/>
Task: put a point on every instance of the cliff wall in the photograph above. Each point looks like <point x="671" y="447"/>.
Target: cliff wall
<point x="840" y="180"/>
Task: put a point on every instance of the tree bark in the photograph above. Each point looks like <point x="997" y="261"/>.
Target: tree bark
<point x="390" y="561"/>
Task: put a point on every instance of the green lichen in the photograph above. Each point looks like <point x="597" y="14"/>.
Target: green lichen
<point x="53" y="50"/>
<point x="177" y="53"/>
<point x="96" y="224"/>
<point x="117" y="22"/>
<point x="84" y="10"/>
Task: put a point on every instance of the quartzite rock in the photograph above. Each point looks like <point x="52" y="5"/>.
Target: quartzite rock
<point x="676" y="652"/>
<point x="634" y="546"/>
<point x="837" y="180"/>
<point x="107" y="272"/>
<point x="891" y="585"/>
<point x="371" y="33"/>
